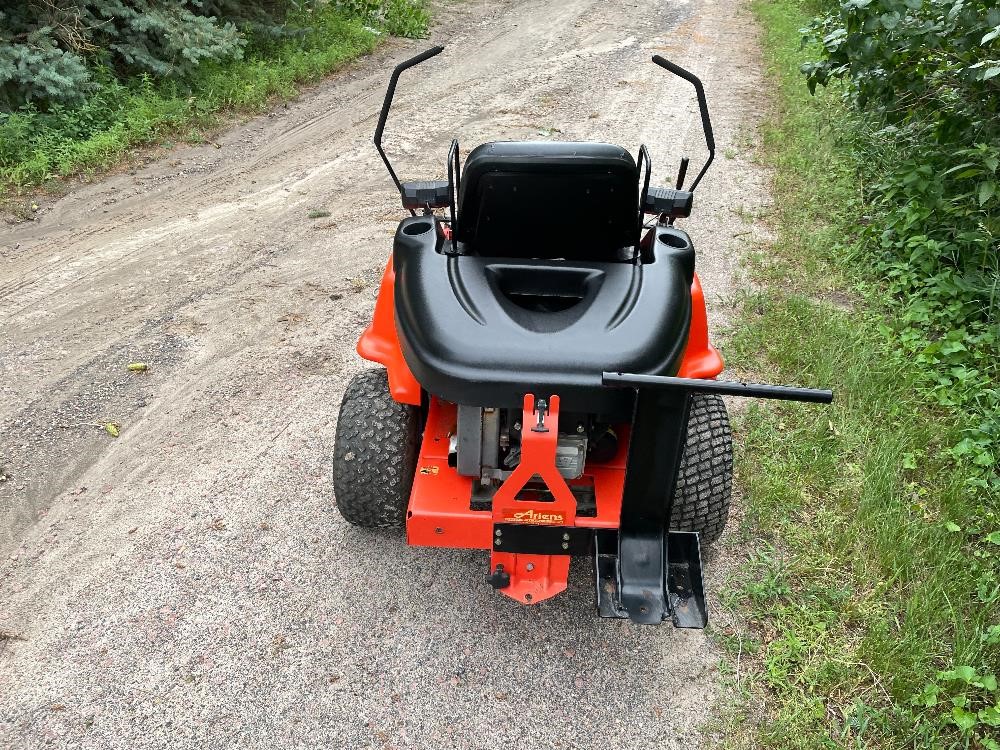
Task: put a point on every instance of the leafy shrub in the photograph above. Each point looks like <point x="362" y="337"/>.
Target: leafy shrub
<point x="924" y="79"/>
<point x="906" y="55"/>
<point x="398" y="17"/>
<point x="926" y="75"/>
<point x="49" y="50"/>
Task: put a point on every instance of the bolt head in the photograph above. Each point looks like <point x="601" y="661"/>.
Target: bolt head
<point x="565" y="545"/>
<point x="566" y="536"/>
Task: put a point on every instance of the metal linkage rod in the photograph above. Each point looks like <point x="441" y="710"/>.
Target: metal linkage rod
<point x="725" y="387"/>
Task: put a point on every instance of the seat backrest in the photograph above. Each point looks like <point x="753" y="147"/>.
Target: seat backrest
<point x="549" y="200"/>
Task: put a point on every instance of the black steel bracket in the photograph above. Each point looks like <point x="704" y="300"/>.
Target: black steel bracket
<point x="685" y="588"/>
<point x="537" y="539"/>
<point x="653" y="573"/>
<point x="659" y="430"/>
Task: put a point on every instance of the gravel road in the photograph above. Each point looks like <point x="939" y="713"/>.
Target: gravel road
<point x="190" y="583"/>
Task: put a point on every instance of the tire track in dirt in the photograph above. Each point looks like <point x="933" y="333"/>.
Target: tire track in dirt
<point x="190" y="583"/>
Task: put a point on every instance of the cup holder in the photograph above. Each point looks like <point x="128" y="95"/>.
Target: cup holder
<point x="672" y="240"/>
<point x="417" y="227"/>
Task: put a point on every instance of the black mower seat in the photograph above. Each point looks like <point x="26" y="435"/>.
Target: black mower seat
<point x="523" y="199"/>
<point x="484" y="331"/>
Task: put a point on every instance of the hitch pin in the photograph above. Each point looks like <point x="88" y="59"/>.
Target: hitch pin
<point x="541" y="408"/>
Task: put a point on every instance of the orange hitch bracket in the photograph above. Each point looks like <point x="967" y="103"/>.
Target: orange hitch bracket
<point x="534" y="509"/>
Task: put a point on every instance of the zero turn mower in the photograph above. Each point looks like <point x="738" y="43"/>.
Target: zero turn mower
<point x="546" y="387"/>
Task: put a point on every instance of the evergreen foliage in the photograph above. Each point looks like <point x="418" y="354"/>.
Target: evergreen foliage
<point x="53" y="51"/>
<point x="49" y="49"/>
<point x="83" y="81"/>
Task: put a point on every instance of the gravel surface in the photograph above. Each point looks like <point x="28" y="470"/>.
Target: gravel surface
<point x="190" y="583"/>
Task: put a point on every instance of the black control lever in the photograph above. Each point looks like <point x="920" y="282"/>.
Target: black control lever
<point x="706" y="122"/>
<point x="682" y="171"/>
<point x="416" y="60"/>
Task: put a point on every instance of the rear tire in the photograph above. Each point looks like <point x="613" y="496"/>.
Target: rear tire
<point x="375" y="453"/>
<point x="705" y="479"/>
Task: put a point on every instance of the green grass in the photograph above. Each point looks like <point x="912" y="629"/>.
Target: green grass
<point x="872" y="585"/>
<point x="36" y="147"/>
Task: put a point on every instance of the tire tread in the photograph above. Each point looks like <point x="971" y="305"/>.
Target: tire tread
<point x="704" y="484"/>
<point x="375" y="453"/>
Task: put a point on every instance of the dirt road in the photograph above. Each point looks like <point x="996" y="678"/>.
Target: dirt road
<point x="190" y="583"/>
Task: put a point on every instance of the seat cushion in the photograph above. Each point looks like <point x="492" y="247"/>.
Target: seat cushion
<point x="484" y="331"/>
<point x="516" y="199"/>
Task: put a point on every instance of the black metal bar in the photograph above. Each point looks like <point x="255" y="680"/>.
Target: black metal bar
<point x="724" y="387"/>
<point x="656" y="446"/>
<point x="454" y="184"/>
<point x="387" y="103"/>
<point x="706" y="121"/>
<point x="643" y="154"/>
<point x="682" y="171"/>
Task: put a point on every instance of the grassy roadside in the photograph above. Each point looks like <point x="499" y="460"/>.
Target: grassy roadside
<point x="36" y="147"/>
<point x="873" y="585"/>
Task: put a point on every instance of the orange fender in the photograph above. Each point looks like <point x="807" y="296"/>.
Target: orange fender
<point x="379" y="343"/>
<point x="701" y="359"/>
